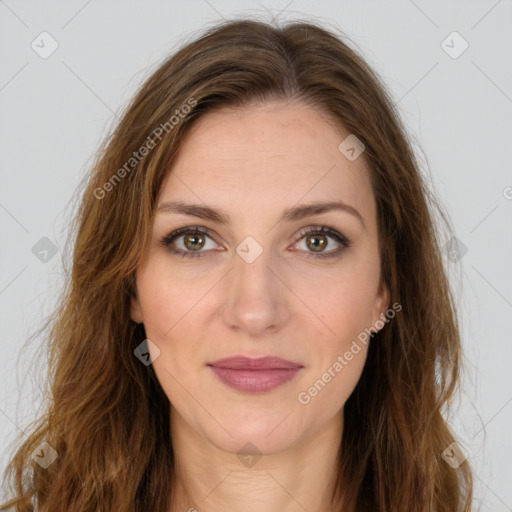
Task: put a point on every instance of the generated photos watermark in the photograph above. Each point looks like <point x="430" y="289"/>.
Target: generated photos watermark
<point x="304" y="397"/>
<point x="150" y="143"/>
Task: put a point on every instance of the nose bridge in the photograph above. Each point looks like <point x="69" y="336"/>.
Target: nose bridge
<point x="253" y="264"/>
<point x="255" y="301"/>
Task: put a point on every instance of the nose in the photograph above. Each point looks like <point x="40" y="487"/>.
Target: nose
<point x="256" y="298"/>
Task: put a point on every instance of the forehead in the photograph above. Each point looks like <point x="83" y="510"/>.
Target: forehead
<point x="265" y="157"/>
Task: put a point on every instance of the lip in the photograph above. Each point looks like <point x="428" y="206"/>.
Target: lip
<point x="260" y="363"/>
<point x="255" y="375"/>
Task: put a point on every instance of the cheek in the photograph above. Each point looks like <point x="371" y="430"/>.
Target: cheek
<point x="348" y="316"/>
<point x="332" y="388"/>
<point x="334" y="372"/>
<point x="171" y="308"/>
<point x="345" y="306"/>
<point x="344" y="303"/>
<point x="169" y="298"/>
<point x="339" y="354"/>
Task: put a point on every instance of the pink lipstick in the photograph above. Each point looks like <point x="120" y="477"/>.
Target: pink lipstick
<point x="255" y="375"/>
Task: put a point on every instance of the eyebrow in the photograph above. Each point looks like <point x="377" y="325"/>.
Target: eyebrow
<point x="289" y="215"/>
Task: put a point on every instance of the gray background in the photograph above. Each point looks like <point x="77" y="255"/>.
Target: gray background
<point x="54" y="111"/>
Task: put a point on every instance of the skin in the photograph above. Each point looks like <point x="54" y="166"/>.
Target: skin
<point x="254" y="163"/>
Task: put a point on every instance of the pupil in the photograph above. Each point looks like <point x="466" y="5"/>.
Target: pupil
<point x="196" y="239"/>
<point x="317" y="246"/>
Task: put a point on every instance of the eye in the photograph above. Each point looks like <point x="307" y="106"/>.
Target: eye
<point x="189" y="241"/>
<point x="316" y="239"/>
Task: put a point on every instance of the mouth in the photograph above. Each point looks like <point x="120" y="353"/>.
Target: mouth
<point x="255" y="375"/>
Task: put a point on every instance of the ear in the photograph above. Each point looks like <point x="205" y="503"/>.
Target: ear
<point x="382" y="300"/>
<point x="136" y="310"/>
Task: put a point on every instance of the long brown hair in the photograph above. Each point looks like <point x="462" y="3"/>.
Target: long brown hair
<point x="108" y="417"/>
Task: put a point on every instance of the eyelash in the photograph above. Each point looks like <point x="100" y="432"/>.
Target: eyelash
<point x="323" y="230"/>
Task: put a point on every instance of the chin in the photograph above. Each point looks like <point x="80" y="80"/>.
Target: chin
<point x="262" y="437"/>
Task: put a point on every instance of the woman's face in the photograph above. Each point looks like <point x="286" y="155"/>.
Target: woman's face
<point x="255" y="283"/>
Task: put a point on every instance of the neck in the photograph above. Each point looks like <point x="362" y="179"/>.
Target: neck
<point x="207" y="477"/>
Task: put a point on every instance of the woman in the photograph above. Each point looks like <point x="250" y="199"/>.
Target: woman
<point x="258" y="315"/>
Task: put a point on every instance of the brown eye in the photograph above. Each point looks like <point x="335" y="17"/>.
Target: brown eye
<point x="194" y="241"/>
<point x="322" y="242"/>
<point x="316" y="243"/>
